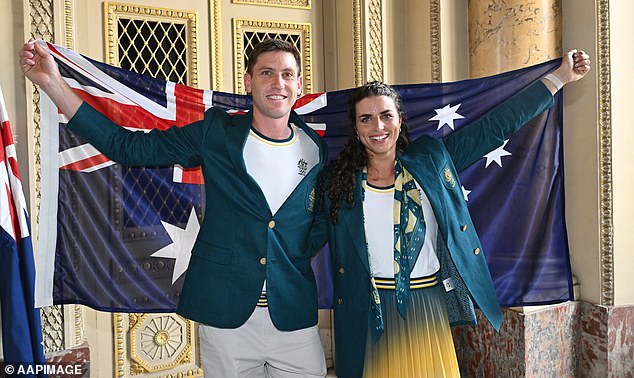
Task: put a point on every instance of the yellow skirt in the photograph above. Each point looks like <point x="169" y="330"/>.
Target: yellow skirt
<point x="419" y="346"/>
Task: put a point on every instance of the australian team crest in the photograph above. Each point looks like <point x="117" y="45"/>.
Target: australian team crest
<point x="311" y="201"/>
<point x="450" y="181"/>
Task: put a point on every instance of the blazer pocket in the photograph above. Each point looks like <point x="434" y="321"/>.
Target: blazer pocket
<point x="214" y="253"/>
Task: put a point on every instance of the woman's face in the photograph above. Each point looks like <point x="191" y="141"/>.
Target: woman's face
<point x="378" y="125"/>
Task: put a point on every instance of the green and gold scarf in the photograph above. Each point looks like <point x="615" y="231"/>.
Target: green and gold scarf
<point x="409" y="237"/>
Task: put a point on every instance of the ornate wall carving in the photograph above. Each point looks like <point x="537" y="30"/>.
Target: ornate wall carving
<point x="436" y="61"/>
<point x="157" y="344"/>
<point x="304" y="4"/>
<point x="374" y="32"/>
<point x="605" y="154"/>
<point x="215" y="40"/>
<point x="358" y="43"/>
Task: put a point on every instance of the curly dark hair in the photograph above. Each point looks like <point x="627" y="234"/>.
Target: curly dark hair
<point x="339" y="179"/>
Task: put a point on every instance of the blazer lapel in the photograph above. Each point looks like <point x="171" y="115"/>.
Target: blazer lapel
<point x="237" y="135"/>
<point x="353" y="219"/>
<point x="426" y="174"/>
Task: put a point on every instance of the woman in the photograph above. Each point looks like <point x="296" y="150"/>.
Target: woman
<point x="404" y="249"/>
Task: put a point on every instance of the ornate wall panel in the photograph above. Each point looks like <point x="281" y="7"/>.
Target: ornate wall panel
<point x="159" y="42"/>
<point x="246" y="33"/>
<point x="368" y="40"/>
<point x="303" y="4"/>
<point x="158" y="345"/>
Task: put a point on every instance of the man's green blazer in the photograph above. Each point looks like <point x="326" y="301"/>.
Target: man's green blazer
<point x="240" y="243"/>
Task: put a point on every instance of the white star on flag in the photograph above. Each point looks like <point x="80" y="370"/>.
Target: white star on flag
<point x="446" y="116"/>
<point x="181" y="246"/>
<point x="496" y="155"/>
<point x="465" y="193"/>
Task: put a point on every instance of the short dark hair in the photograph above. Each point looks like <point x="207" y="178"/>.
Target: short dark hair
<point x="272" y="44"/>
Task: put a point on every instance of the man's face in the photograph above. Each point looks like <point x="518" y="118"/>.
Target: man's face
<point x="274" y="84"/>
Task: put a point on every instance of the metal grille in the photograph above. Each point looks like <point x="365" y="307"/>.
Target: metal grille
<point x="252" y="38"/>
<point x="154" y="48"/>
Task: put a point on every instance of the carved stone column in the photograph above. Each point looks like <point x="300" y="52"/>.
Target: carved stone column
<point x="509" y="34"/>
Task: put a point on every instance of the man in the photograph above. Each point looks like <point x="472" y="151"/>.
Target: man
<point x="249" y="281"/>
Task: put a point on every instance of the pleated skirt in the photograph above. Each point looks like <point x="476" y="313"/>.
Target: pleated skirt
<point x="419" y="346"/>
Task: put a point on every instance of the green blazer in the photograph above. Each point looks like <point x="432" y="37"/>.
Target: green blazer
<point x="240" y="243"/>
<point x="435" y="164"/>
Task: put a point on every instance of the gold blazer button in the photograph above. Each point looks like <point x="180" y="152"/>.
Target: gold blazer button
<point x="476" y="251"/>
<point x="263" y="261"/>
<point x="272" y="224"/>
<point x="342" y="270"/>
<point x="464" y="228"/>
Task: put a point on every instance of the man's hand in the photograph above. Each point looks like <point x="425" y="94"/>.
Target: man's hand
<point x="38" y="65"/>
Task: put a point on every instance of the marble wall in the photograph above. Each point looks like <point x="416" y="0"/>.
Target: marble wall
<point x="574" y="339"/>
<point x="510" y="34"/>
<point x="76" y="359"/>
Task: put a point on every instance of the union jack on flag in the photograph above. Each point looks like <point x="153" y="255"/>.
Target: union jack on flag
<point x="21" y="325"/>
<point x="118" y="238"/>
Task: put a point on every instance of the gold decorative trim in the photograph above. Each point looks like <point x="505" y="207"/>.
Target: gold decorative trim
<point x="301" y="4"/>
<point x="119" y="344"/>
<point x="78" y="316"/>
<point x="375" y="31"/>
<point x="215" y="33"/>
<point x="112" y="11"/>
<point x="69" y="37"/>
<point x="605" y="154"/>
<point x="303" y="30"/>
<point x="358" y="43"/>
<point x="436" y="57"/>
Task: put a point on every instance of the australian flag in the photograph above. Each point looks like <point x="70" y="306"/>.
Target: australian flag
<point x="119" y="238"/>
<point x="21" y="325"/>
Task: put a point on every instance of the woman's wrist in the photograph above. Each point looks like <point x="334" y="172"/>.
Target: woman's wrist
<point x="555" y="80"/>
